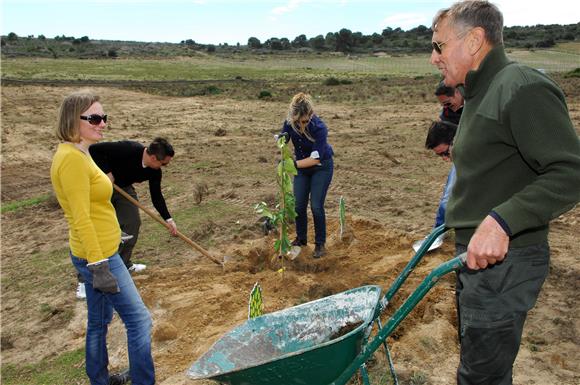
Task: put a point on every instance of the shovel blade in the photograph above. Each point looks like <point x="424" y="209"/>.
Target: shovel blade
<point x="293" y="252"/>
<point x="435" y="245"/>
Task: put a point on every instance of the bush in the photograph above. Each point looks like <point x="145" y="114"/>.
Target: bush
<point x="211" y="48"/>
<point x="575" y="73"/>
<point x="345" y="81"/>
<point x="331" y="81"/>
<point x="211" y="90"/>
<point x="12" y="36"/>
<point x="264" y="94"/>
<point x="112" y="53"/>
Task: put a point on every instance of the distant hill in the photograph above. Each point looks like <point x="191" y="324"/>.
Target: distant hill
<point x="389" y="40"/>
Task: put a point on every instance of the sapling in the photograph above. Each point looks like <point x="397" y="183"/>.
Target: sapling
<point x="285" y="211"/>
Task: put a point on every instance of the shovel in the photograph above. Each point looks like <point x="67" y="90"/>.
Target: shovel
<point x="435" y="245"/>
<point x="158" y="219"/>
<point x="293" y="252"/>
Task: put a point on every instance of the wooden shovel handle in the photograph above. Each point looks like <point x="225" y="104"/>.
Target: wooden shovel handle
<point x="160" y="220"/>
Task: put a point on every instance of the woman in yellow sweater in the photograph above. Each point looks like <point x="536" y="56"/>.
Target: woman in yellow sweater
<point x="84" y="193"/>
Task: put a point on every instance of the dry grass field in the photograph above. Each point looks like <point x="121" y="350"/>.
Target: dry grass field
<point x="224" y="165"/>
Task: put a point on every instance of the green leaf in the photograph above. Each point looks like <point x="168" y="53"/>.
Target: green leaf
<point x="289" y="167"/>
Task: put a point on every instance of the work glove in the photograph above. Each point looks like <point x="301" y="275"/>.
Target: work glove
<point x="103" y="279"/>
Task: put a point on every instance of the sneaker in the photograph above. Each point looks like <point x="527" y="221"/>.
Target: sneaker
<point x="319" y="251"/>
<point x="298" y="242"/>
<point x="120" y="378"/>
<point x="125" y="236"/>
<point x="81" y="292"/>
<point x="137" y="268"/>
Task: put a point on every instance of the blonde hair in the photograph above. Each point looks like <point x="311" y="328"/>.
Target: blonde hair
<point x="301" y="105"/>
<point x="70" y="112"/>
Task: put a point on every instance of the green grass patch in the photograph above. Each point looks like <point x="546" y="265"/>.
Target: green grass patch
<point x="289" y="68"/>
<point x="39" y="272"/>
<point x="17" y="205"/>
<point x="68" y="368"/>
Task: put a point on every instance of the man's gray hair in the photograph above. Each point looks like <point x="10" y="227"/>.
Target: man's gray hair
<point x="474" y="13"/>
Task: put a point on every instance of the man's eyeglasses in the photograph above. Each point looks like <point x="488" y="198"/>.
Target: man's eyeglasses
<point x="438" y="47"/>
<point x="95" y="119"/>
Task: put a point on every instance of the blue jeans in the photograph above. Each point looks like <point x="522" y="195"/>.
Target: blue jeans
<point x="135" y="316"/>
<point x="314" y="182"/>
<point x="440" y="218"/>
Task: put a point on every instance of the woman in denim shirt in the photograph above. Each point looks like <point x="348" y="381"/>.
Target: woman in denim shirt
<point x="308" y="134"/>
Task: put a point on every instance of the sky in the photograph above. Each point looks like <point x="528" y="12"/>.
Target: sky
<point x="232" y="22"/>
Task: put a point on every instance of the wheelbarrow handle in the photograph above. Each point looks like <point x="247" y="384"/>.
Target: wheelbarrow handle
<point x="430" y="281"/>
<point x="412" y="263"/>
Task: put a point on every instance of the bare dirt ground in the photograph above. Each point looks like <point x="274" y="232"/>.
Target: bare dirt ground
<point x="391" y="185"/>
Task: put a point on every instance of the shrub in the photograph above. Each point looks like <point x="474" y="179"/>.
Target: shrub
<point x="331" y="81"/>
<point x="574" y="73"/>
<point x="211" y="90"/>
<point x="112" y="53"/>
<point x="345" y="81"/>
<point x="264" y="94"/>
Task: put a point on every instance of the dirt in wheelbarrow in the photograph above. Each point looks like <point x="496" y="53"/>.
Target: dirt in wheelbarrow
<point x="391" y="186"/>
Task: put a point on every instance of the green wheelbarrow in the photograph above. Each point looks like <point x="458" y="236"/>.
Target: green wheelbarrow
<point x="322" y="342"/>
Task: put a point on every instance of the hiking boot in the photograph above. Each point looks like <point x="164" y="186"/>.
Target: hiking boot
<point x="81" y="291"/>
<point x="137" y="268"/>
<point x="120" y="378"/>
<point x="319" y="251"/>
<point x="298" y="242"/>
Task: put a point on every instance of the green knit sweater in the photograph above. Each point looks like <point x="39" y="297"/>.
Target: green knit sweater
<point x="516" y="152"/>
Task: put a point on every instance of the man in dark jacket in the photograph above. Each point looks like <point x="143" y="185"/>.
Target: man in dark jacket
<point x="517" y="156"/>
<point x="127" y="162"/>
<point x="452" y="102"/>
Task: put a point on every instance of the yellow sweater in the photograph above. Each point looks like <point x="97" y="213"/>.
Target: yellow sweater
<point x="84" y="193"/>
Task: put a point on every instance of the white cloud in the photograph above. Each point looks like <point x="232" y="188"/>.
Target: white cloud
<point x="523" y="12"/>
<point x="291" y="6"/>
<point x="406" y="20"/>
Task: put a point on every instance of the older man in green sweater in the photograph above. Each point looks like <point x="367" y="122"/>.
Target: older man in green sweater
<point x="517" y="156"/>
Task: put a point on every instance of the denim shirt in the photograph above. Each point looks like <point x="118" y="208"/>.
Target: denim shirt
<point x="303" y="147"/>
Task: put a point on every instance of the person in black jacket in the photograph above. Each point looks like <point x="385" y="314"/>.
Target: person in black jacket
<point x="127" y="162"/>
<point x="452" y="102"/>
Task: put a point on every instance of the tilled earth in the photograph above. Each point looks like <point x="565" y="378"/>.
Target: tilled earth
<point x="224" y="166"/>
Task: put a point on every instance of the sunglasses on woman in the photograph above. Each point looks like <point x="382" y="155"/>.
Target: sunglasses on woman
<point x="95" y="119"/>
<point x="445" y="154"/>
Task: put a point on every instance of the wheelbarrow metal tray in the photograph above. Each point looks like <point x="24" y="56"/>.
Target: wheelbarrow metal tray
<point x="308" y="344"/>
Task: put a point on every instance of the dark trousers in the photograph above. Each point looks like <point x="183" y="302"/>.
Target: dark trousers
<point x="493" y="305"/>
<point x="313" y="182"/>
<point x="129" y="220"/>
